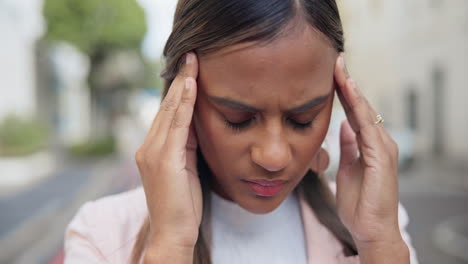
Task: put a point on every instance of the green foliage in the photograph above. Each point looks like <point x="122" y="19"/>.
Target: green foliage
<point x="152" y="78"/>
<point x="21" y="136"/>
<point x="95" y="148"/>
<point x="96" y="25"/>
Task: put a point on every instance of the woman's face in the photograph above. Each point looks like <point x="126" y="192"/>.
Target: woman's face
<point x="262" y="113"/>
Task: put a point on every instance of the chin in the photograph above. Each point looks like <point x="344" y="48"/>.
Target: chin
<point x="261" y="205"/>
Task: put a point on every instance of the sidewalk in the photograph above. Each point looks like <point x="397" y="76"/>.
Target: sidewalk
<point x="23" y="172"/>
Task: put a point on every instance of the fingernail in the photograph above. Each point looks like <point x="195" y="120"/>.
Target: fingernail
<point x="343" y="63"/>
<point x="341" y="58"/>
<point x="187" y="85"/>
<point x="189" y="58"/>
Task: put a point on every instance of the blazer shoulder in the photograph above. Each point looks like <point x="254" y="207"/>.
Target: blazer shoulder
<point x="105" y="229"/>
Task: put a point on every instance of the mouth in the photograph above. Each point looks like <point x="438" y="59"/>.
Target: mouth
<point x="266" y="188"/>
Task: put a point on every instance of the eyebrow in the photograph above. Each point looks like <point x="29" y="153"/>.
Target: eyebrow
<point x="244" y="107"/>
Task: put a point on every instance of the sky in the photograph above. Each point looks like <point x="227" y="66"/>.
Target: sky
<point x="159" y="14"/>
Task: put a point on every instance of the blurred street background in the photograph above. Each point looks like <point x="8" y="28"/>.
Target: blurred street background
<point x="80" y="86"/>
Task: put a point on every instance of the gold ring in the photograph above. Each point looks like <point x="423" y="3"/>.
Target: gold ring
<point x="379" y="120"/>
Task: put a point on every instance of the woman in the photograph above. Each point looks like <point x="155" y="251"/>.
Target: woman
<point x="231" y="165"/>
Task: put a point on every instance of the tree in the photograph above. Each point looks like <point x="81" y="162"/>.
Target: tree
<point x="96" y="26"/>
<point x="99" y="28"/>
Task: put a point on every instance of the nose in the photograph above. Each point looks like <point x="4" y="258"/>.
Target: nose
<point x="272" y="153"/>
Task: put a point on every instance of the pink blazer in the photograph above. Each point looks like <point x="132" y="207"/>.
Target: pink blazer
<point x="104" y="231"/>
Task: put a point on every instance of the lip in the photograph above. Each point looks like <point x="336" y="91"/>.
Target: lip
<point x="266" y="188"/>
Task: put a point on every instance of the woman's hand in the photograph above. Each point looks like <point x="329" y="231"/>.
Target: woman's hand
<point x="167" y="164"/>
<point x="367" y="179"/>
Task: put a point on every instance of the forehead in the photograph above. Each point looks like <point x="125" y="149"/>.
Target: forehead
<point x="298" y="65"/>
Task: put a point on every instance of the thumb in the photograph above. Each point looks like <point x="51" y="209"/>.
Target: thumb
<point x="347" y="180"/>
<point x="348" y="145"/>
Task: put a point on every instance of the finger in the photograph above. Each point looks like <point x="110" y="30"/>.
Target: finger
<point x="388" y="141"/>
<point x="349" y="178"/>
<point x="346" y="107"/>
<point x="189" y="69"/>
<point x="177" y="139"/>
<point x="341" y="72"/>
<point x="350" y="97"/>
<point x="348" y="145"/>
<point x="357" y="109"/>
<point x="168" y="108"/>
<point x="341" y="77"/>
<point x="171" y="101"/>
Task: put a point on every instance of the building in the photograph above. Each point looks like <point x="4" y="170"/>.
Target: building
<point x="411" y="59"/>
<point x="21" y="25"/>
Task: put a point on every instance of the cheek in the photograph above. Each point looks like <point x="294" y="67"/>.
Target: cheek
<point x="305" y="148"/>
<point x="212" y="135"/>
<point x="308" y="145"/>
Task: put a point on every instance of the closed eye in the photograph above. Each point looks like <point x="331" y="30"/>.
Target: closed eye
<point x="299" y="125"/>
<point x="238" y="126"/>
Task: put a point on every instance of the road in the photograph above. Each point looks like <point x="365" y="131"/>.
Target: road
<point x="32" y="230"/>
<point x="426" y="210"/>
<point x="428" y="203"/>
<point x="50" y="195"/>
<point x="433" y="192"/>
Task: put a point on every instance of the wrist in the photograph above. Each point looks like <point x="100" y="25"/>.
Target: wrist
<point x="383" y="238"/>
<point x="161" y="250"/>
<point x="177" y="238"/>
<point x="171" y="242"/>
<point x="384" y="251"/>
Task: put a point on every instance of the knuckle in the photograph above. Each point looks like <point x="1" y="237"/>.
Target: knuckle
<point x="386" y="160"/>
<point x="140" y="155"/>
<point x="144" y="155"/>
<point x="178" y="122"/>
<point x="146" y="158"/>
<point x="182" y="71"/>
<point x="357" y="95"/>
<point x="169" y="105"/>
<point x="365" y="126"/>
<point x="357" y="106"/>
<point x="186" y="99"/>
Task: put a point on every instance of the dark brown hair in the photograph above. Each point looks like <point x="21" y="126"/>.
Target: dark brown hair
<point x="206" y="26"/>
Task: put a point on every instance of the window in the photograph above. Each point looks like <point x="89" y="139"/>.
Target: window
<point x="412" y="109"/>
<point x="438" y="78"/>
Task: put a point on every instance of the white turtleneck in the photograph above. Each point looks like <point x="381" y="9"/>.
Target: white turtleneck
<point x="243" y="237"/>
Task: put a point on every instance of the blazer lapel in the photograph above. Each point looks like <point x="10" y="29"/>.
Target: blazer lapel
<point x="321" y="245"/>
